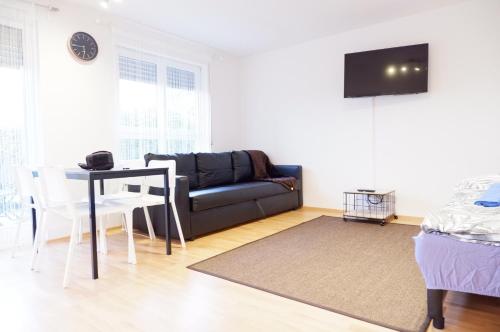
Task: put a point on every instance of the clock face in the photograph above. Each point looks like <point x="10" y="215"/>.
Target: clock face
<point x="83" y="46"/>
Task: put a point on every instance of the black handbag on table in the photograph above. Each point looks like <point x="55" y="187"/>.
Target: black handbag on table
<point x="98" y="161"/>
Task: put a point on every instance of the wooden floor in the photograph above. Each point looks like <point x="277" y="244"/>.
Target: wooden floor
<point x="160" y="294"/>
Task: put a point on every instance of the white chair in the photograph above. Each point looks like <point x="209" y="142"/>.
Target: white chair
<point x="56" y="199"/>
<point x="146" y="200"/>
<point x="28" y="199"/>
<point x="133" y="199"/>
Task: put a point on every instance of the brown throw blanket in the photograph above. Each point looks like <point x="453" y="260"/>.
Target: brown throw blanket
<point x="264" y="170"/>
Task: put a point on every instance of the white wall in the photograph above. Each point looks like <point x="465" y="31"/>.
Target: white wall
<point x="77" y="102"/>
<point x="294" y="109"/>
<point x="225" y="83"/>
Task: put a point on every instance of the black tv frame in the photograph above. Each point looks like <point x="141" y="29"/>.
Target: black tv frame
<point x="426" y="45"/>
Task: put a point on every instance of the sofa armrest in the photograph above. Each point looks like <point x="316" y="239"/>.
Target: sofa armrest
<point x="296" y="172"/>
<point x="289" y="170"/>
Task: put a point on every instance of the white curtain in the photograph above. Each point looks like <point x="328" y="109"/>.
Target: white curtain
<point x="182" y="97"/>
<point x="139" y="108"/>
<point x="162" y="102"/>
<point x="17" y="97"/>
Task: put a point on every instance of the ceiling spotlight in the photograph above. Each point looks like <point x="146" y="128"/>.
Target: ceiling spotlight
<point x="391" y="70"/>
<point x="417" y="68"/>
<point x="104" y="4"/>
<point x="404" y="69"/>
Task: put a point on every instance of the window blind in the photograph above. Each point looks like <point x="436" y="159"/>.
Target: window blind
<point x="11" y="47"/>
<point x="180" y="79"/>
<point x="137" y="70"/>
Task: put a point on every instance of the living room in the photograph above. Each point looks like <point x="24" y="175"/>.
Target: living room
<point x="250" y="100"/>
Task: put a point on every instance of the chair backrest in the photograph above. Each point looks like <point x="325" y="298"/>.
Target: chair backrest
<point x="54" y="188"/>
<point x="157" y="180"/>
<point x="26" y="188"/>
<point x="131" y="164"/>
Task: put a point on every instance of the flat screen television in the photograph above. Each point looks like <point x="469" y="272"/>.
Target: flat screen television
<point x="389" y="71"/>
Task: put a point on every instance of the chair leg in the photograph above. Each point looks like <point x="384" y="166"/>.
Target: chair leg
<point x="16" y="239"/>
<point x="124" y="222"/>
<point x="80" y="230"/>
<point x="102" y="235"/>
<point x="149" y="224"/>
<point x="39" y="240"/>
<point x="72" y="242"/>
<point x="131" y="247"/>
<point x="178" y="224"/>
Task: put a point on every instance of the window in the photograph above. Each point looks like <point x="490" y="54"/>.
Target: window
<point x="16" y="106"/>
<point x="162" y="106"/>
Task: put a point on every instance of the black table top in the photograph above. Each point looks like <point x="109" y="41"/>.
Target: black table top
<point x="115" y="173"/>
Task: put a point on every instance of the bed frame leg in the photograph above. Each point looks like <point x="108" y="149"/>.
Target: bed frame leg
<point x="435" y="307"/>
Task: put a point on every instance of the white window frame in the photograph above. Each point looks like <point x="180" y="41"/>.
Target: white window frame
<point x="162" y="62"/>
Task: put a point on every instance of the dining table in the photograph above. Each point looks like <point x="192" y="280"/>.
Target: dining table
<point x="91" y="176"/>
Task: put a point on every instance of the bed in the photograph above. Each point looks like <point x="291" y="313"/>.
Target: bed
<point x="459" y="247"/>
<point x="449" y="264"/>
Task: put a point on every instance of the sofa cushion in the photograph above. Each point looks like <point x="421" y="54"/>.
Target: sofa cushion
<point x="242" y="166"/>
<point x="209" y="198"/>
<point x="214" y="169"/>
<point x="185" y="164"/>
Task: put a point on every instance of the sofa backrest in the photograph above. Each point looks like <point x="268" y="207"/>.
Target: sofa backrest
<point x="214" y="169"/>
<point x="185" y="163"/>
<point x="210" y="169"/>
<point x="242" y="166"/>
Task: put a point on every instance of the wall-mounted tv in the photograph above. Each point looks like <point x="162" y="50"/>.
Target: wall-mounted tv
<point x="390" y="71"/>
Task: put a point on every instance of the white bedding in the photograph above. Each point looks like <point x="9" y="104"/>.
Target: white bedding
<point x="462" y="219"/>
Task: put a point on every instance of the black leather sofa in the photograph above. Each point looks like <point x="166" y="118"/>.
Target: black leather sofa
<point x="215" y="191"/>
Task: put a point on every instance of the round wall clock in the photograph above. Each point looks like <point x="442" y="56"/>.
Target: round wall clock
<point x="83" y="47"/>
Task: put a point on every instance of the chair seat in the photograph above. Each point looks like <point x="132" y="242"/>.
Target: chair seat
<point x="82" y="209"/>
<point x="117" y="196"/>
<point x="231" y="194"/>
<point x="137" y="201"/>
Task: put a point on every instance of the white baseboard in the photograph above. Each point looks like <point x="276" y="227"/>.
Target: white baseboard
<point x="57" y="228"/>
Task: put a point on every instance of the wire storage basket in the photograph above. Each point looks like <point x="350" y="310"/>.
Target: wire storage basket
<point x="376" y="206"/>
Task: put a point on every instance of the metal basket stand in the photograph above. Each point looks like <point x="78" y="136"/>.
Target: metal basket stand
<point x="378" y="206"/>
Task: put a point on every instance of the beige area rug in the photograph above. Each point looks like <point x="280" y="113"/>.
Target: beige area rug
<point x="361" y="270"/>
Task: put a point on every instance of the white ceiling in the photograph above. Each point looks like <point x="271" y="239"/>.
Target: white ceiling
<point x="244" y="27"/>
